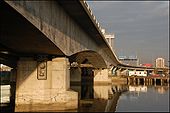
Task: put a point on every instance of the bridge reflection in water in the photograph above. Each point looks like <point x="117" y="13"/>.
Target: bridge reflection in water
<point x="116" y="97"/>
<point x="99" y="98"/>
<point x="144" y="98"/>
<point x="96" y="98"/>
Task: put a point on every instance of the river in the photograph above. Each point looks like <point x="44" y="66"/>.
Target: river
<point x="146" y="99"/>
<point x="116" y="98"/>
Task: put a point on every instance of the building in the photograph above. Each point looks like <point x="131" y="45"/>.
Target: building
<point x="147" y="65"/>
<point x="131" y="60"/>
<point x="110" y="38"/>
<point x="160" y="62"/>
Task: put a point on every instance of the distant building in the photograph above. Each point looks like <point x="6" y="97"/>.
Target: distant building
<point x="110" y="38"/>
<point x="131" y="60"/>
<point x="160" y="62"/>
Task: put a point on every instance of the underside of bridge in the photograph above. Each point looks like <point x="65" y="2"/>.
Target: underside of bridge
<point x="88" y="57"/>
<point x="20" y="45"/>
<point x="20" y="37"/>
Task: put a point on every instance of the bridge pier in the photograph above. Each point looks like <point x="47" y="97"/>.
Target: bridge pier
<point x="13" y="88"/>
<point x="134" y="81"/>
<point x="154" y="81"/>
<point x="144" y="81"/>
<point x="161" y="81"/>
<point x="101" y="76"/>
<point x="118" y="72"/>
<point x="75" y="79"/>
<point x="168" y="81"/>
<point x="113" y="70"/>
<point x="44" y="89"/>
<point x="75" y="75"/>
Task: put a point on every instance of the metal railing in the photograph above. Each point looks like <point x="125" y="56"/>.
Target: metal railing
<point x="94" y="18"/>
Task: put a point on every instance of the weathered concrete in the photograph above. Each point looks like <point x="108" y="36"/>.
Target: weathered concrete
<point x="123" y="72"/>
<point x="118" y="72"/>
<point x="101" y="76"/>
<point x="52" y="20"/>
<point x="53" y="91"/>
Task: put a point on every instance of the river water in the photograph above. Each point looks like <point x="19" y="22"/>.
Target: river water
<point x="117" y="98"/>
<point x="150" y="98"/>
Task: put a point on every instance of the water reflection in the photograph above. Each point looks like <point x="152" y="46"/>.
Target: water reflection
<point x="144" y="98"/>
<point x="100" y="98"/>
<point x="119" y="97"/>
<point x="161" y="89"/>
<point x="138" y="88"/>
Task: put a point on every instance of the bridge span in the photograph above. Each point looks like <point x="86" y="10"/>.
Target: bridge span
<point x="50" y="44"/>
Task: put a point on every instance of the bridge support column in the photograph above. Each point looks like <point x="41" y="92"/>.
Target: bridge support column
<point x="118" y="72"/>
<point x="161" y="81"/>
<point x="75" y="80"/>
<point x="75" y="75"/>
<point x="134" y="81"/>
<point x="101" y="76"/>
<point x="123" y="72"/>
<point x="35" y="92"/>
<point x="167" y="81"/>
<point x="155" y="82"/>
<point x="138" y="79"/>
<point x="114" y="70"/>
<point x="144" y="81"/>
<point x="128" y="80"/>
<point x="13" y="88"/>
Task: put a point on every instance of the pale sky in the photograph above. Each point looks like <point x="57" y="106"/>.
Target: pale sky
<point x="141" y="27"/>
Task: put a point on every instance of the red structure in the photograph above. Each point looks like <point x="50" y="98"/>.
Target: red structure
<point x="147" y="65"/>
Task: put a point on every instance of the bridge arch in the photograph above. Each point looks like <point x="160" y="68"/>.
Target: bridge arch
<point x="88" y="57"/>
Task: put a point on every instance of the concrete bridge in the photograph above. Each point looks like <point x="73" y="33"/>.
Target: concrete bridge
<point x="48" y="44"/>
<point x="55" y="28"/>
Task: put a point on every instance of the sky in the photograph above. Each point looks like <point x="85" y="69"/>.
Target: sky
<point x="140" y="27"/>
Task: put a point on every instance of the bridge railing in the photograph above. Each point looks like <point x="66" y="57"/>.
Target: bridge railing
<point x="94" y="18"/>
<point x="97" y="24"/>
